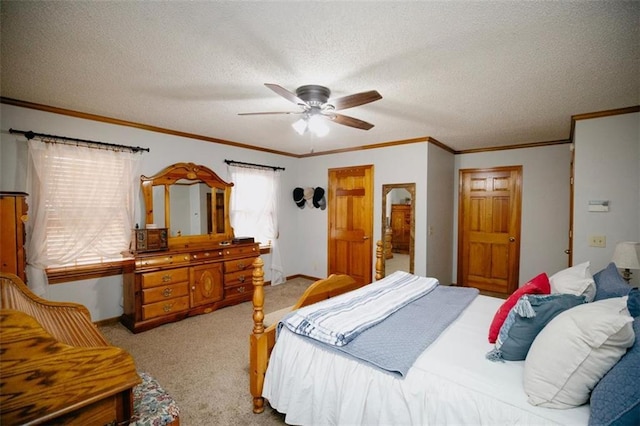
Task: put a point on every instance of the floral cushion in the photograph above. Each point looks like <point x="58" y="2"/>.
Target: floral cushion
<point x="152" y="405"/>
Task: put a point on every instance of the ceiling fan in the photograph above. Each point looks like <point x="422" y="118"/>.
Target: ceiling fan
<point x="314" y="101"/>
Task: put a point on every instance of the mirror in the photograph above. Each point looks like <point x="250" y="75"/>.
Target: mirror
<point x="191" y="201"/>
<point x="398" y="226"/>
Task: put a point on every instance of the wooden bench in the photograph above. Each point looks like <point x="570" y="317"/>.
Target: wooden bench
<point x="57" y="367"/>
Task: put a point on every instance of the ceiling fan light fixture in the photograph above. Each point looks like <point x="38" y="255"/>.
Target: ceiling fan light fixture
<point x="300" y="126"/>
<point x="314" y="123"/>
<point x="314" y="101"/>
<point x="318" y="126"/>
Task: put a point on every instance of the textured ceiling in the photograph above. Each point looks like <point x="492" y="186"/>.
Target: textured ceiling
<point x="469" y="74"/>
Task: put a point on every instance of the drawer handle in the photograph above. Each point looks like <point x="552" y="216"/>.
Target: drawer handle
<point x="241" y="265"/>
<point x="241" y="289"/>
<point x="167" y="292"/>
<point x="241" y="278"/>
<point x="167" y="307"/>
<point x="166" y="278"/>
<point x="207" y="254"/>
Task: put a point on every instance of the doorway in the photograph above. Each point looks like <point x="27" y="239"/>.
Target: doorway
<point x="489" y="228"/>
<point x="350" y="205"/>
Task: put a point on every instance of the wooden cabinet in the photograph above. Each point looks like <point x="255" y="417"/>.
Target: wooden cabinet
<point x="13" y="215"/>
<point x="401" y="227"/>
<point x="207" y="284"/>
<point x="172" y="285"/>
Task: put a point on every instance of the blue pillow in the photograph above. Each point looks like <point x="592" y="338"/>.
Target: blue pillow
<point x="525" y="320"/>
<point x="609" y="283"/>
<point x="615" y="400"/>
<point x="633" y="303"/>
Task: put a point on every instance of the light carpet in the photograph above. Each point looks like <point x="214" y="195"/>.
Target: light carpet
<point x="203" y="361"/>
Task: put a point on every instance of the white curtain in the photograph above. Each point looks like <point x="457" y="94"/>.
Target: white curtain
<point x="254" y="210"/>
<point x="81" y="206"/>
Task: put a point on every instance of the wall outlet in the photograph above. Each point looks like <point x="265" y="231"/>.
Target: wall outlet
<point x="599" y="241"/>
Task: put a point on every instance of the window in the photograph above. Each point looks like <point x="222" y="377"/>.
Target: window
<point x="254" y="210"/>
<point x="81" y="204"/>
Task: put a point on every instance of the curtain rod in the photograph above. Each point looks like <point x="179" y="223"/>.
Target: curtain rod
<point x="63" y="139"/>
<point x="240" y="163"/>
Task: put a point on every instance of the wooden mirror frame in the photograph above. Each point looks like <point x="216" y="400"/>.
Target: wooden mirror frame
<point x="195" y="173"/>
<point x="411" y="188"/>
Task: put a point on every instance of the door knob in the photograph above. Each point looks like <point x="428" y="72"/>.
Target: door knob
<point x="365" y="237"/>
<point x="512" y="239"/>
<point x="567" y="251"/>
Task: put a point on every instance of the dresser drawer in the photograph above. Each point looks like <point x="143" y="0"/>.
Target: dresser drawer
<point x="166" y="307"/>
<point x="233" y="251"/>
<point x="169" y="276"/>
<point x="238" y="278"/>
<point x="166" y="260"/>
<point x="239" y="291"/>
<point x="207" y="255"/>
<point x="165" y="292"/>
<point x="239" y="265"/>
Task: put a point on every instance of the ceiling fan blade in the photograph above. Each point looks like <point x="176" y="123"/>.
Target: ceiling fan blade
<point x="271" y="112"/>
<point x="291" y="97"/>
<point x="351" y="101"/>
<point x="350" y="121"/>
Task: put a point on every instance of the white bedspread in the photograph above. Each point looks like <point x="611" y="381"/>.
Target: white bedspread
<point x="451" y="383"/>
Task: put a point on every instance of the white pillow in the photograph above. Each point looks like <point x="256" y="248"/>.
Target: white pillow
<point x="575" y="280"/>
<point x="575" y="350"/>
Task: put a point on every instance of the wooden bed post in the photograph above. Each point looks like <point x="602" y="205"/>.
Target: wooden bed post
<point x="261" y="340"/>
<point x="258" y="342"/>
<point x="380" y="272"/>
<point x="258" y="296"/>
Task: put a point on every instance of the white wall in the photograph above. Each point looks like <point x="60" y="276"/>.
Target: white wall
<point x="396" y="164"/>
<point x="440" y="218"/>
<point x="303" y="233"/>
<point x="607" y="167"/>
<point x="545" y="204"/>
<point x="103" y="296"/>
<point x="607" y="144"/>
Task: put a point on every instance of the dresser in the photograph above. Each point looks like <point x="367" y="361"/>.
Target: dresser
<point x="13" y="215"/>
<point x="400" y="228"/>
<point x="177" y="283"/>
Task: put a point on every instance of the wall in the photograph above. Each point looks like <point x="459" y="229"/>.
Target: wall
<point x="545" y="204"/>
<point x="302" y="232"/>
<point x="607" y="167"/>
<point x="103" y="296"/>
<point x="396" y="164"/>
<point x="440" y="217"/>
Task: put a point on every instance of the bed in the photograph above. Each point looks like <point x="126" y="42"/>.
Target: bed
<point x="451" y="381"/>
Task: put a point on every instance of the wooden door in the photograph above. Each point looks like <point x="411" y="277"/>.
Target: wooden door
<point x="350" y="249"/>
<point x="489" y="228"/>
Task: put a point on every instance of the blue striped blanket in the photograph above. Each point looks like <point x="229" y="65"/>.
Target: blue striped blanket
<point x="339" y="320"/>
<point x="394" y="343"/>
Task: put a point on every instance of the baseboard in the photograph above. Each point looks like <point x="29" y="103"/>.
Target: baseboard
<point x="308" y="277"/>
<point x="108" y="321"/>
